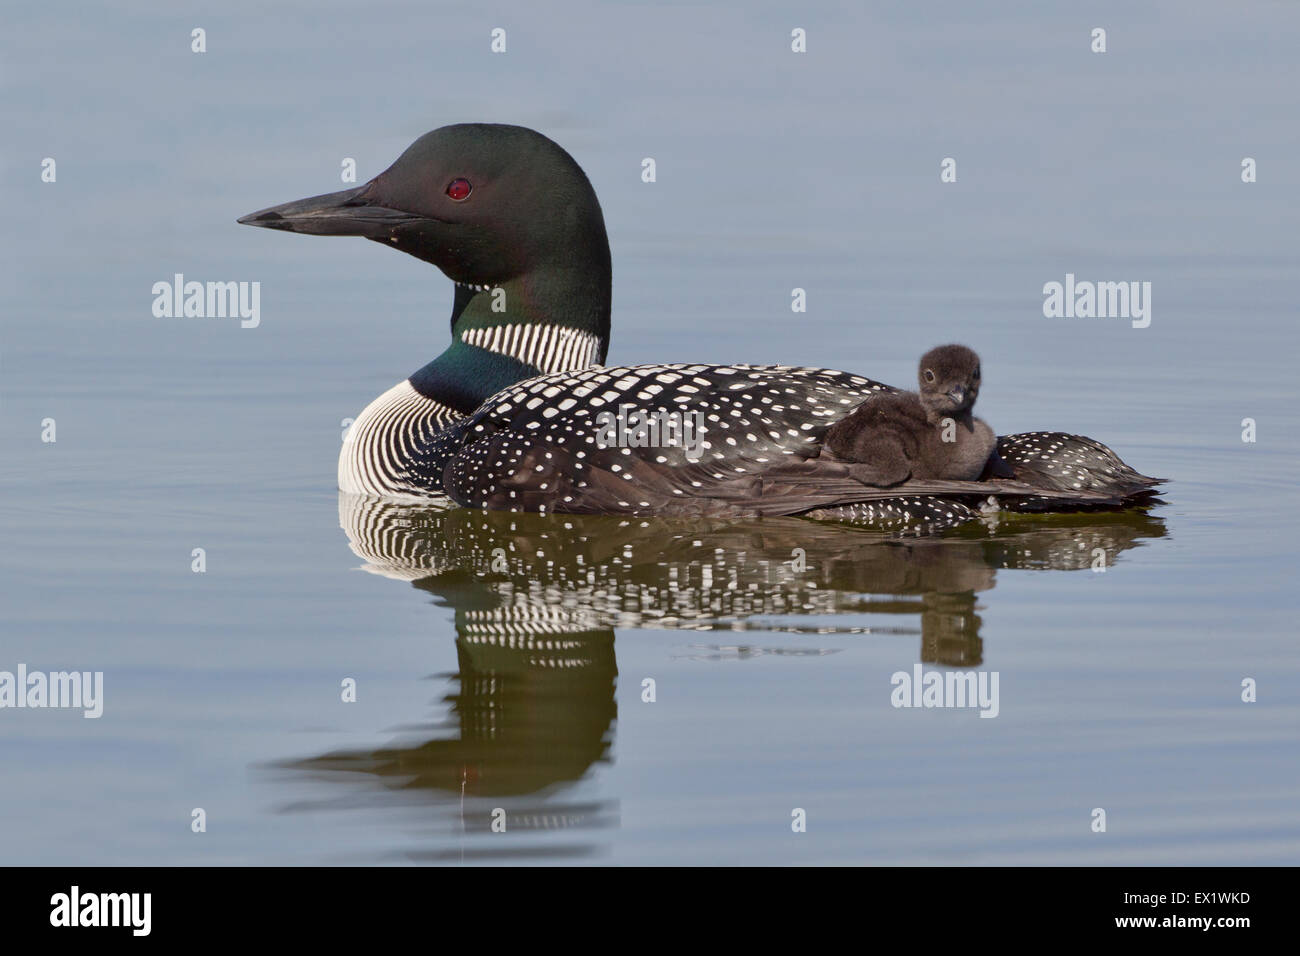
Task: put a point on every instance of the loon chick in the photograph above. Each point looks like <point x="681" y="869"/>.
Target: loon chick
<point x="511" y="218"/>
<point x="925" y="434"/>
<point x="508" y="417"/>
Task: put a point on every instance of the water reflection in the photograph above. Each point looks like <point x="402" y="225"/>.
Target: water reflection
<point x="537" y="601"/>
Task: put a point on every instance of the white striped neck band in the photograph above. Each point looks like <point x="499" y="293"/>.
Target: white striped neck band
<point x="548" y="348"/>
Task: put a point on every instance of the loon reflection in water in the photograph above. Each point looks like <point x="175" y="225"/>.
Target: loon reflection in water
<point x="537" y="599"/>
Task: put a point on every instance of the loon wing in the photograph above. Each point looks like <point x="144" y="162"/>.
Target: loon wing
<point x="553" y="443"/>
<point x="578" y="442"/>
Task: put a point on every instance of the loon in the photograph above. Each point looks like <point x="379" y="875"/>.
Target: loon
<point x="509" y="417"/>
<point x="925" y="434"/>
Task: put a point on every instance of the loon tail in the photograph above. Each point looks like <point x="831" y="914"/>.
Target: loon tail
<point x="1059" y="461"/>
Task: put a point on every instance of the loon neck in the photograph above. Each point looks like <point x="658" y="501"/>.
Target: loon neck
<point x="543" y="321"/>
<point x="963" y="418"/>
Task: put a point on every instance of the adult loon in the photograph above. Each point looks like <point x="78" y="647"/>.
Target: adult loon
<point x="510" y="415"/>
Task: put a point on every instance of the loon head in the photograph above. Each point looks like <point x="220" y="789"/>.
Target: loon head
<point x="492" y="206"/>
<point x="949" y="376"/>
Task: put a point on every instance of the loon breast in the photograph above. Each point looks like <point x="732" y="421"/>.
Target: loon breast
<point x="383" y="448"/>
<point x="380" y="444"/>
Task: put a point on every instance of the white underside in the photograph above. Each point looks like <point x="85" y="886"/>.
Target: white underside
<point x="383" y="438"/>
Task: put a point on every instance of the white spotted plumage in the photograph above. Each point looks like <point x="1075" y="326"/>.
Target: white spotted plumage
<point x="537" y="446"/>
<point x="753" y="415"/>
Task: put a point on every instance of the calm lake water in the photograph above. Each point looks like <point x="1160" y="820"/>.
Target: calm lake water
<point x="500" y="661"/>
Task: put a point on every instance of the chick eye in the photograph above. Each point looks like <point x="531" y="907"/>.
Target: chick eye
<point x="459" y="189"/>
<point x="929" y="375"/>
<point x="977" y="373"/>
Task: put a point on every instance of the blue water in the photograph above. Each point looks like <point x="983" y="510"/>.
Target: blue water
<point x="1118" y="690"/>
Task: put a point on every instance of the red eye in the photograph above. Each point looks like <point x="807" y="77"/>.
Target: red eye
<point x="459" y="189"/>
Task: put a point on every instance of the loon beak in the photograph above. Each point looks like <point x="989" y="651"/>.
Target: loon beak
<point x="957" y="393"/>
<point x="352" y="212"/>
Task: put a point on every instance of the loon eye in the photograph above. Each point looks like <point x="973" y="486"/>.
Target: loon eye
<point x="459" y="189"/>
<point x="929" y="375"/>
<point x="977" y="373"/>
